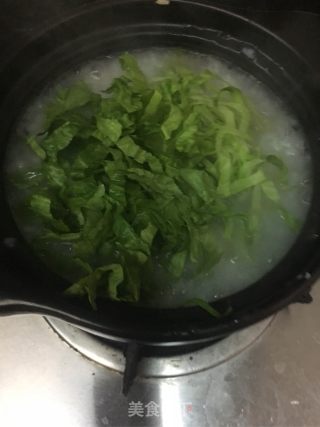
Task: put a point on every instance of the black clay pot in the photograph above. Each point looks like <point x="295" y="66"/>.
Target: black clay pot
<point x="26" y="284"/>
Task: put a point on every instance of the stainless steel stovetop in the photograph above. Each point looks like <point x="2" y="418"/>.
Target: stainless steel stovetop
<point x="266" y="375"/>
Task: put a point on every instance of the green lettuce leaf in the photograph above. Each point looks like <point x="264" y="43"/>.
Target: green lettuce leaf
<point x="152" y="174"/>
<point x="104" y="280"/>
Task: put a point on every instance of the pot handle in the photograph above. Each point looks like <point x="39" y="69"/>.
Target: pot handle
<point x="303" y="298"/>
<point x="10" y="306"/>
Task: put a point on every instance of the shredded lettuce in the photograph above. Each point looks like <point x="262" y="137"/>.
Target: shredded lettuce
<point x="150" y="169"/>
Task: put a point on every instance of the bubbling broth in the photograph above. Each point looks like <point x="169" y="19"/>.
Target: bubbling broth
<point x="280" y="135"/>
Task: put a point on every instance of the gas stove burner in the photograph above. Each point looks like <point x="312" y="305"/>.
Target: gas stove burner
<point x="105" y="353"/>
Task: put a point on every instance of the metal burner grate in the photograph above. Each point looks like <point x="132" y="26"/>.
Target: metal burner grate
<point x="112" y="357"/>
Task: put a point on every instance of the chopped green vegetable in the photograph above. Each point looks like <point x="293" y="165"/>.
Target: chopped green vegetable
<point x="96" y="283"/>
<point x="150" y="169"/>
<point x="198" y="302"/>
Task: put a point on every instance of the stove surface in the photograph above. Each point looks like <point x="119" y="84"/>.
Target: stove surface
<point x="272" y="381"/>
